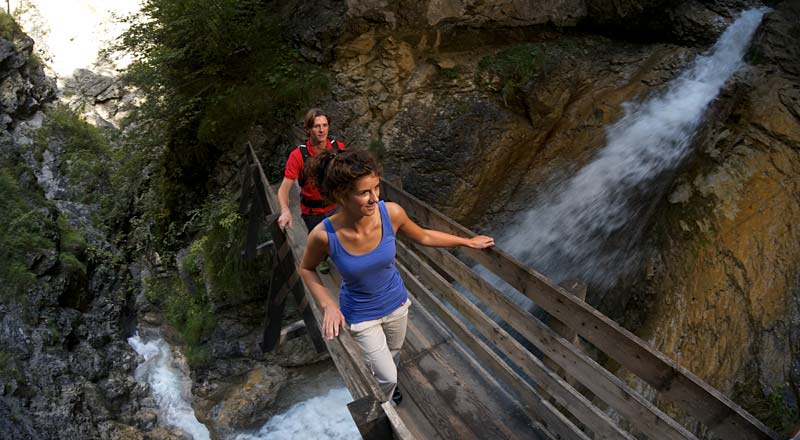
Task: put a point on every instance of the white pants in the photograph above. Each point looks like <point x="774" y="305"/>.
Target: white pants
<point x="381" y="340"/>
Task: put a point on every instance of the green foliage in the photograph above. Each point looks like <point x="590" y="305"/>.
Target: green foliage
<point x="9" y="371"/>
<point x="222" y="234"/>
<point x="377" y="148"/>
<point x="209" y="70"/>
<point x="190" y="314"/>
<point x="26" y="230"/>
<point x="450" y="73"/>
<point x="9" y="29"/>
<point x="773" y="410"/>
<point x="778" y="415"/>
<point x="514" y="67"/>
<point x="87" y="153"/>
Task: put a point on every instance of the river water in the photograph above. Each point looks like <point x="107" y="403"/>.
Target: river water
<point x="314" y="407"/>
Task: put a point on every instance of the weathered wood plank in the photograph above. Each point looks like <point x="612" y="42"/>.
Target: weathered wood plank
<point x="675" y="383"/>
<point x="538" y="408"/>
<point x="579" y="406"/>
<point x="641" y="413"/>
<point x="371" y="419"/>
<point x="253" y="226"/>
<point x="461" y="378"/>
<point x="399" y="429"/>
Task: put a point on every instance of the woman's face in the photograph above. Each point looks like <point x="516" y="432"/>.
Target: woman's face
<point x="362" y="200"/>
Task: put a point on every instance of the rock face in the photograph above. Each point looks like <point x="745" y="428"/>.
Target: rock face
<point x="103" y="100"/>
<point x="23" y="85"/>
<point x="724" y="278"/>
<point x="65" y="367"/>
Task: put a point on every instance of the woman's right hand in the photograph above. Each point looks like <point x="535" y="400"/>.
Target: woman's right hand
<point x="332" y="321"/>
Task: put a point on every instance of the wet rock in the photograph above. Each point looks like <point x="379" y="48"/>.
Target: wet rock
<point x="247" y="402"/>
<point x="296" y="352"/>
<point x="722" y="278"/>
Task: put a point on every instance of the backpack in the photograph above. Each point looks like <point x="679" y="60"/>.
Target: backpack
<point x="302" y="179"/>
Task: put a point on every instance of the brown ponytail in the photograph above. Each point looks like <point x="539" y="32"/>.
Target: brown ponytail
<point x="335" y="174"/>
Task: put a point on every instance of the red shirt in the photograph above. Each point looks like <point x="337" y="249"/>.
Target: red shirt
<point x="294" y="166"/>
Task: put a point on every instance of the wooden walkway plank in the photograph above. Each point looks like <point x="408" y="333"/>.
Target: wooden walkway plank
<point x="597" y="421"/>
<point x="641" y="413"/>
<point x="537" y="407"/>
<point x="465" y="389"/>
<point x="674" y="383"/>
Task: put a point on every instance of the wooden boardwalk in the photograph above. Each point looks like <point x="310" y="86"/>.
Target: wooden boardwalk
<point x="464" y="376"/>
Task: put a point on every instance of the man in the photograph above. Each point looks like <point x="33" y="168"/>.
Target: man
<point x="312" y="207"/>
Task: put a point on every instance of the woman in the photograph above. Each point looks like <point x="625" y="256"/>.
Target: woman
<point x="360" y="239"/>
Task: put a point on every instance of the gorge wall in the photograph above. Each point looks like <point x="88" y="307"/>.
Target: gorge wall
<point x="479" y="108"/>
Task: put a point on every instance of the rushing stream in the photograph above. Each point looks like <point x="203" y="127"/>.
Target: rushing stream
<point x="315" y="408"/>
<point x="171" y="388"/>
<point x="588" y="226"/>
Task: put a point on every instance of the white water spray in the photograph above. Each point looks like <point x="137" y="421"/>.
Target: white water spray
<point x="320" y="417"/>
<point x="588" y="226"/>
<point x="171" y="388"/>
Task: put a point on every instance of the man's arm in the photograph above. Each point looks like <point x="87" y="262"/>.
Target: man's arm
<point x="285" y="218"/>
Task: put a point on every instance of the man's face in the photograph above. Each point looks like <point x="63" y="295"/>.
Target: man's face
<point x="319" y="131"/>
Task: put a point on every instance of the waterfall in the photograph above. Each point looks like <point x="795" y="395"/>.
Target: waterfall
<point x="588" y="226"/>
<point x="171" y="388"/>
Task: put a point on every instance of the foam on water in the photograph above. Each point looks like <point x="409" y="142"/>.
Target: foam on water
<point x="322" y="417"/>
<point x="170" y="387"/>
<point x="588" y="226"/>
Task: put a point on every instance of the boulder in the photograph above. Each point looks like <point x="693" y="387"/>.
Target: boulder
<point x="247" y="403"/>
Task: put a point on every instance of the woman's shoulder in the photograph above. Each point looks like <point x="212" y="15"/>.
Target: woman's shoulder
<point x="318" y="235"/>
<point x="396" y="212"/>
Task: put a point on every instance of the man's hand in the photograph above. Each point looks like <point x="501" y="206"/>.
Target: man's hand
<point x="285" y="220"/>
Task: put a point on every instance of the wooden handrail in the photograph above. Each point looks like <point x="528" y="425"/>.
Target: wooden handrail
<point x="674" y="383"/>
<point x="609" y="388"/>
<point x="639" y="412"/>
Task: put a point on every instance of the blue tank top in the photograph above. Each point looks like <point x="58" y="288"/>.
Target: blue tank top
<point x="371" y="285"/>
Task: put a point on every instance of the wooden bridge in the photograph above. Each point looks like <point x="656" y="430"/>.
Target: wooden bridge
<point x="464" y="376"/>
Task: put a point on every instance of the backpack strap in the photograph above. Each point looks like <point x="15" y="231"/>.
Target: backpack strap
<point x="306" y="155"/>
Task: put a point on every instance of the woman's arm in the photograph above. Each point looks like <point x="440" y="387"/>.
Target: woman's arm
<point x="316" y="250"/>
<point x="430" y="237"/>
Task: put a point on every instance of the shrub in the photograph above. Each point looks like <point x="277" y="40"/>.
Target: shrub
<point x="514" y="67"/>
<point x="222" y="235"/>
<point x="26" y="229"/>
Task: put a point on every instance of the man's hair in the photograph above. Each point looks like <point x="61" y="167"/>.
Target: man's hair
<point x="310" y="116"/>
<point x="335" y="173"/>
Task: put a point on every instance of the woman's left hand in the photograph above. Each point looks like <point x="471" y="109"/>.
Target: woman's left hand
<point x="480" y="242"/>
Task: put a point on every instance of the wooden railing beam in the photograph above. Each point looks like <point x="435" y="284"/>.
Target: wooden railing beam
<point x="674" y="383"/>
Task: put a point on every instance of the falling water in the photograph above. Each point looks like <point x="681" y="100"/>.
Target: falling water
<point x="587" y="226"/>
<point x="171" y="388"/>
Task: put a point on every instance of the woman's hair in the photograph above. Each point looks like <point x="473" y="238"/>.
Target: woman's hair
<point x="335" y="173"/>
<point x="312" y="114"/>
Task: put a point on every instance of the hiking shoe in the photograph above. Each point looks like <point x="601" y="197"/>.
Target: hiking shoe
<point x="324" y="268"/>
<point x="397" y="396"/>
